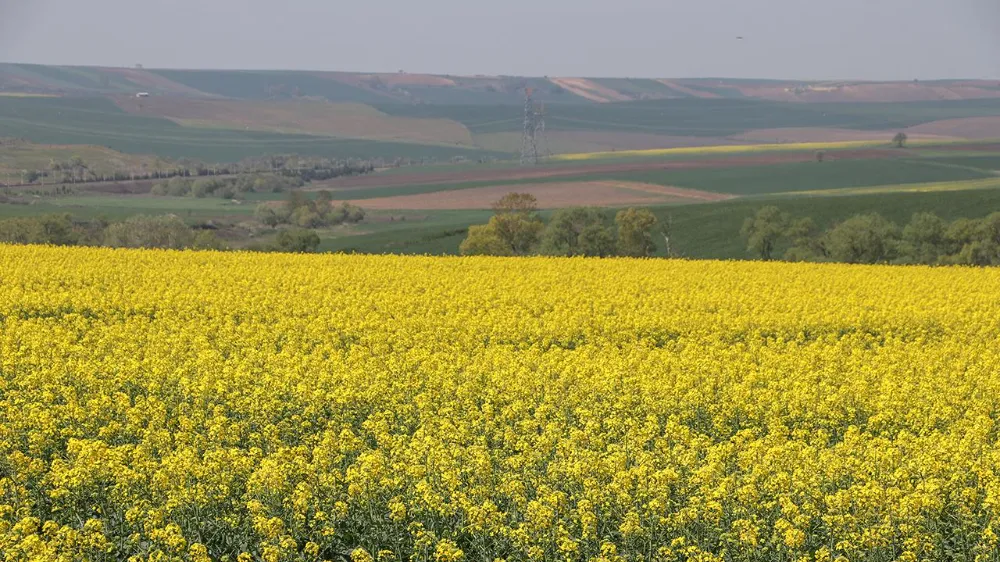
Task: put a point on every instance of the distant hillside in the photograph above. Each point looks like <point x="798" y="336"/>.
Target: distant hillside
<point x="463" y="90"/>
<point x="222" y="115"/>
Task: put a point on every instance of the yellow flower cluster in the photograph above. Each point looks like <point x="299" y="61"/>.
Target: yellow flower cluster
<point x="195" y="406"/>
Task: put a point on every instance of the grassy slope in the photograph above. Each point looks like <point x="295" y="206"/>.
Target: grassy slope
<point x="306" y="117"/>
<point x="98" y="121"/>
<point x="704" y="117"/>
<point x="747" y="180"/>
<point x="18" y="156"/>
<point x="808" y="176"/>
<point x="261" y="85"/>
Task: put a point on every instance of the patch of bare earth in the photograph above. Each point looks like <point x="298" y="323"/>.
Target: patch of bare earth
<point x="590" y="90"/>
<point x="969" y="128"/>
<point x="689" y="91"/>
<point x="549" y="195"/>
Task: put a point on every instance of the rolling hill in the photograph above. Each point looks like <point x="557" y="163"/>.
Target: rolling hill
<point x="220" y="115"/>
<point x="466" y="90"/>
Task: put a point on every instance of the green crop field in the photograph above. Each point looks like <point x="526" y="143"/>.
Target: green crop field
<point x="98" y="121"/>
<point x="982" y="161"/>
<point x="713" y="230"/>
<point x="703" y="117"/>
<point x="806" y="176"/>
<point x="262" y="85"/>
<point x="435" y="233"/>
<point x="743" y="181"/>
<point x="704" y="231"/>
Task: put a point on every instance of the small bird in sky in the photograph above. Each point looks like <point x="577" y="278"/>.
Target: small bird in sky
<point x="740" y="38"/>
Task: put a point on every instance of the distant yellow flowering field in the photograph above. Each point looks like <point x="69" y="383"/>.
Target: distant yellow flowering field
<point x="210" y="406"/>
<point x="961" y="185"/>
<point x="745" y="149"/>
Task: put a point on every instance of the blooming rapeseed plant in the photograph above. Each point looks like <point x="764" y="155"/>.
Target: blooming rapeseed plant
<point x="187" y="406"/>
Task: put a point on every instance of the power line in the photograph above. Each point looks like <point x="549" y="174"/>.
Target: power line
<point x="533" y="130"/>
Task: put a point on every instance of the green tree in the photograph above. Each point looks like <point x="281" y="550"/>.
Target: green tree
<point x="483" y="240"/>
<point x="297" y="240"/>
<point x="866" y="238"/>
<point x="296" y="199"/>
<point x="58" y="230"/>
<point x="324" y="202"/>
<point x="924" y="239"/>
<point x="516" y="203"/>
<point x="635" y="232"/>
<point x="806" y="244"/>
<point x="178" y="187"/>
<point x="598" y="241"/>
<point x="978" y="241"/>
<point x="900" y="140"/>
<point x="207" y="240"/>
<point x="77" y="167"/>
<point x="143" y="231"/>
<point x="306" y="217"/>
<point x="203" y="187"/>
<point x="516" y="222"/>
<point x="267" y="214"/>
<point x="764" y="230"/>
<point x="352" y="213"/>
<point x="578" y="231"/>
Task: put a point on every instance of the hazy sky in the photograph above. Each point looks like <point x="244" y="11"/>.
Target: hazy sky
<point x="820" y="39"/>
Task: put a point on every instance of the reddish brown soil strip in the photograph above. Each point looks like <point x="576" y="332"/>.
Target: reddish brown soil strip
<point x="970" y="128"/>
<point x="689" y="91"/>
<point x="589" y="90"/>
<point x="578" y="169"/>
<point x="550" y="196"/>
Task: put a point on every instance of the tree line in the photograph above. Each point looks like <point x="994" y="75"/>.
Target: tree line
<point x="516" y="229"/>
<point x="302" y="168"/>
<point x="871" y="238"/>
<point x="226" y="188"/>
<point x="300" y="211"/>
<point x="141" y="231"/>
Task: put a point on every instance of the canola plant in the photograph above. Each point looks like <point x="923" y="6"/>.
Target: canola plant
<point x="195" y="406"/>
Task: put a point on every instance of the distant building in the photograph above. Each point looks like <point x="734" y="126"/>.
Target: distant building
<point x="142" y="95"/>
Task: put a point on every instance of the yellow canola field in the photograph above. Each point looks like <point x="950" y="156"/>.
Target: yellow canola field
<point x="220" y="406"/>
<point x="727" y="149"/>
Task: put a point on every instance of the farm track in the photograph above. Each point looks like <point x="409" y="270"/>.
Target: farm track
<point x="422" y="178"/>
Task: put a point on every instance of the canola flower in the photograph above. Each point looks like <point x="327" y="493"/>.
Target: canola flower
<point x="197" y="406"/>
